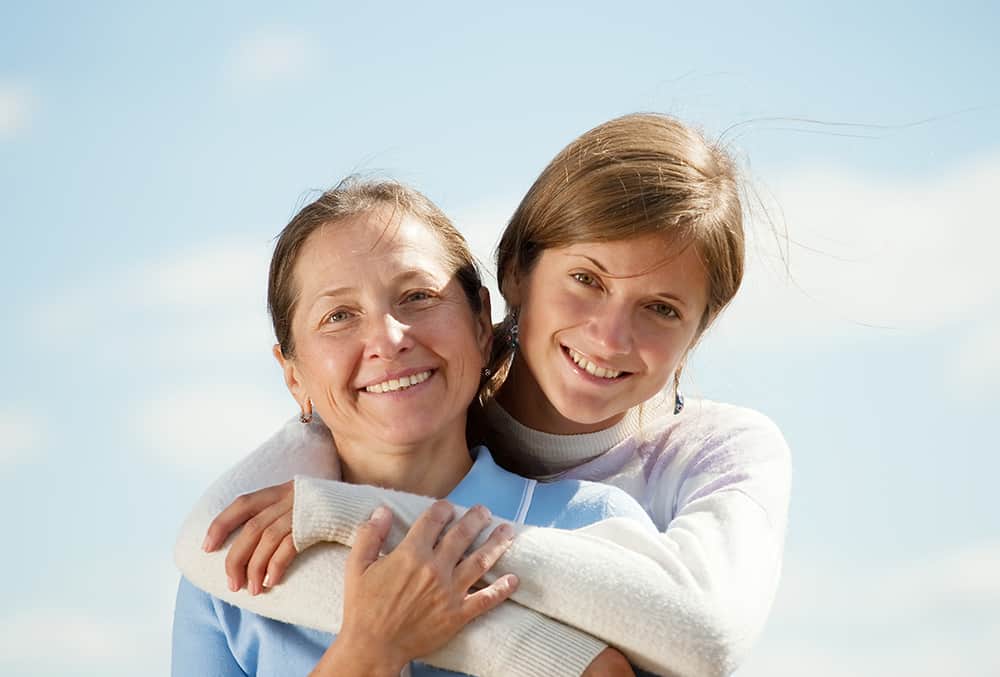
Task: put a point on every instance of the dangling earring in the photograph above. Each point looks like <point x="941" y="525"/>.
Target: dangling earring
<point x="307" y="412"/>
<point x="514" y="330"/>
<point x="678" y="398"/>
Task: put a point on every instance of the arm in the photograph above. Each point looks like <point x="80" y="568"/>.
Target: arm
<point x="506" y="641"/>
<point x="687" y="601"/>
<point x="199" y="645"/>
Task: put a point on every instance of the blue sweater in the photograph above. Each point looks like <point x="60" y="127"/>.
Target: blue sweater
<point x="215" y="639"/>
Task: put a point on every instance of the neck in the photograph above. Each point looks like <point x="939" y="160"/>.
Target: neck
<point x="429" y="468"/>
<point x="522" y="398"/>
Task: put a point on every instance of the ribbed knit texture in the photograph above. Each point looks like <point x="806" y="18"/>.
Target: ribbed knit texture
<point x="688" y="601"/>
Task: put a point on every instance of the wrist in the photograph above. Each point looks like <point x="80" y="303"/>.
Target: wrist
<point x="351" y="655"/>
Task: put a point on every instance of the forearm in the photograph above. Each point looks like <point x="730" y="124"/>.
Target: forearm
<point x="673" y="602"/>
<point x="509" y="640"/>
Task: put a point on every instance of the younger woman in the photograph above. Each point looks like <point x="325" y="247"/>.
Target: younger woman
<point x="626" y="248"/>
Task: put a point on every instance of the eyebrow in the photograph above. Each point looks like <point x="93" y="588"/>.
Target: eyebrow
<point x="404" y="276"/>
<point x="664" y="294"/>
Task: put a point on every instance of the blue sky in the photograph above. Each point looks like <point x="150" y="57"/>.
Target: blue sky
<point x="148" y="156"/>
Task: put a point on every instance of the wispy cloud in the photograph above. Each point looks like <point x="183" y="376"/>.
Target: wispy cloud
<point x="204" y="429"/>
<point x="16" y="109"/>
<point x="204" y="303"/>
<point x="897" y="255"/>
<point x="272" y="55"/>
<point x="20" y="436"/>
<point x="87" y="643"/>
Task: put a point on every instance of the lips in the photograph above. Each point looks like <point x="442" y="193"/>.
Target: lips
<point x="397" y="383"/>
<point x="586" y="365"/>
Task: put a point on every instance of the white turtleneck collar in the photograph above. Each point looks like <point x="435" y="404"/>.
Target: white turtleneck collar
<point x="558" y="453"/>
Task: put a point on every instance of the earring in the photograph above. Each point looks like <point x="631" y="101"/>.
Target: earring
<point x="306" y="416"/>
<point x="486" y="372"/>
<point x="514" y="330"/>
<point x="678" y="403"/>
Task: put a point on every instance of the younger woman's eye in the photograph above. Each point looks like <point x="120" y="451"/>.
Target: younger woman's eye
<point x="585" y="278"/>
<point x="664" y="309"/>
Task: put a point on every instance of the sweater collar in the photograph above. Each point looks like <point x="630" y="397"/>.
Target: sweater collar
<point x="558" y="453"/>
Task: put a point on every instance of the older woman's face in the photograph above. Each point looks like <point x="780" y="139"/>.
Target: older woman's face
<point x="387" y="345"/>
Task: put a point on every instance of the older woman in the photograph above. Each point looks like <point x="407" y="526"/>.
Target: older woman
<point x="383" y="329"/>
<point x="624" y="251"/>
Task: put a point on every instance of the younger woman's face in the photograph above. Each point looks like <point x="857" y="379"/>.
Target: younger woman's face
<point x="603" y="326"/>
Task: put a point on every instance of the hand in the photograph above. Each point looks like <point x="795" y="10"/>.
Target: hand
<point x="412" y="601"/>
<point x="263" y="550"/>
<point x="609" y="663"/>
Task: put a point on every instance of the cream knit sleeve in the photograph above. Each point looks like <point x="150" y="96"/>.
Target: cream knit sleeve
<point x="509" y="640"/>
<point x="688" y="601"/>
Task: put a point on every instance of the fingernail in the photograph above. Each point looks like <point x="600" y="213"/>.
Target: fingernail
<point x="512" y="581"/>
<point x="232" y="584"/>
<point x="267" y="580"/>
<point x="380" y="513"/>
<point x="485" y="512"/>
<point x="506" y="532"/>
<point x="204" y="544"/>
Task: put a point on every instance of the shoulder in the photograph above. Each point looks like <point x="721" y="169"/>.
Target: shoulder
<point x="571" y="504"/>
<point x="726" y="433"/>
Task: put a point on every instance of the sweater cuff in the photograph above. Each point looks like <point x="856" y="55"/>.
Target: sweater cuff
<point x="546" y="648"/>
<point x="326" y="510"/>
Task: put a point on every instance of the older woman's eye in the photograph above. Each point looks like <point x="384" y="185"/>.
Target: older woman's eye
<point x="585" y="278"/>
<point x="338" y="316"/>
<point x="420" y="295"/>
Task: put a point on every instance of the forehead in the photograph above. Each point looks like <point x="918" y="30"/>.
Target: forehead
<point x="372" y="242"/>
<point x="645" y="256"/>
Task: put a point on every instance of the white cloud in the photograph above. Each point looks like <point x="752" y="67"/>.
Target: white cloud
<point x="20" y="436"/>
<point x="78" y="642"/>
<point x="206" y="429"/>
<point x="16" y="108"/>
<point x="128" y="633"/>
<point x="271" y="55"/>
<point x="936" y="615"/>
<point x="207" y="303"/>
<point x="905" y="256"/>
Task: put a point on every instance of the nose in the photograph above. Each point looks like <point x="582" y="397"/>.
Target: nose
<point x="610" y="329"/>
<point x="387" y="338"/>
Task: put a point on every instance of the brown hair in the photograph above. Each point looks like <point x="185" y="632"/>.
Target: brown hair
<point x="636" y="175"/>
<point x="352" y="197"/>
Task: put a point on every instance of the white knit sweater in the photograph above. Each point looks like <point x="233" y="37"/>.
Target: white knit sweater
<point x="688" y="601"/>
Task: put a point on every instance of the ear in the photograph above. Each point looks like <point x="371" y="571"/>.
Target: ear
<point x="293" y="379"/>
<point x="484" y="324"/>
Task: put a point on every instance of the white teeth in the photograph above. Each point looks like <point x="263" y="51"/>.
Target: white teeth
<point x="592" y="368"/>
<point x="394" y="384"/>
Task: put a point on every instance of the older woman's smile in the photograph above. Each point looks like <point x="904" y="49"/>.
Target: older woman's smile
<point x="395" y="383"/>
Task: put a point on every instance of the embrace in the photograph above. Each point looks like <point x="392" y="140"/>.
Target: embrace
<point x="531" y="498"/>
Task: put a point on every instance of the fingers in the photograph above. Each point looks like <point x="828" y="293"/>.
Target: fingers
<point x="481" y="601"/>
<point x="426" y="530"/>
<point x="461" y="535"/>
<point x="367" y="543"/>
<point x="473" y="567"/>
<point x="249" y="538"/>
<point x="238" y="512"/>
<point x="280" y="562"/>
<point x="273" y="536"/>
